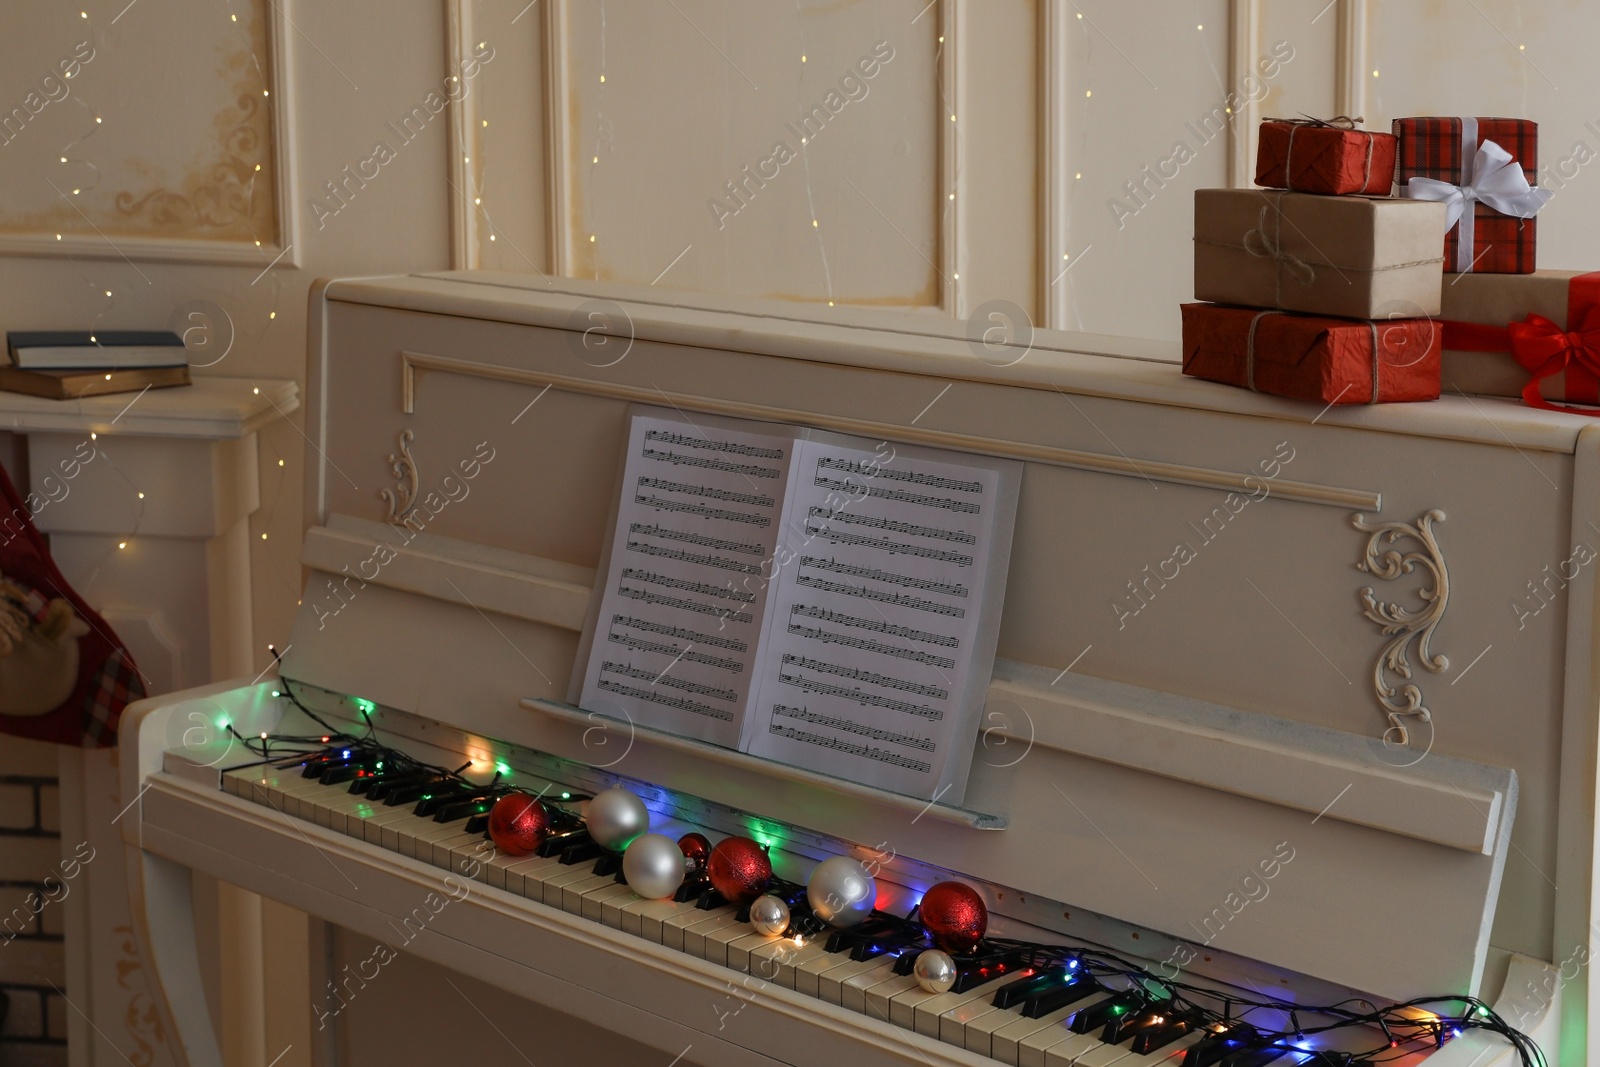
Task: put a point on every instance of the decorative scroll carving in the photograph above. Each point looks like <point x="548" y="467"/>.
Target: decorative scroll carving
<point x="402" y="499"/>
<point x="1401" y="625"/>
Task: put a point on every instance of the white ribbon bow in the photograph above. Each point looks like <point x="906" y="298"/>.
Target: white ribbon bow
<point x="1495" y="180"/>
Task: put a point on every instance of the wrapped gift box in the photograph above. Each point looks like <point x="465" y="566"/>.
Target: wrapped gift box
<point x="1356" y="256"/>
<point x="1307" y="357"/>
<point x="1448" y="150"/>
<point x="1320" y="157"/>
<point x="1480" y="357"/>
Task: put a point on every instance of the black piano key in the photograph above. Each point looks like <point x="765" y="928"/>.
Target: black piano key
<point x="1328" y="1059"/>
<point x="429" y="804"/>
<point x="1160" y="1036"/>
<point x="1120" y="1028"/>
<point x="710" y="900"/>
<point x="384" y="786"/>
<point x="871" y="948"/>
<point x="464" y="809"/>
<point x="478" y="824"/>
<point x="692" y="887"/>
<point x="1058" y="995"/>
<point x="1213" y="1049"/>
<point x="970" y="974"/>
<point x="555" y="844"/>
<point x="1096" y="1016"/>
<point x="1255" y="1057"/>
<point x="314" y="766"/>
<point x="580" y="852"/>
<point x="906" y="962"/>
<point x="608" y="863"/>
<point x="872" y="926"/>
<point x="1017" y="992"/>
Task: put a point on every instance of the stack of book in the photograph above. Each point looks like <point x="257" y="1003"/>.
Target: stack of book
<point x="68" y="364"/>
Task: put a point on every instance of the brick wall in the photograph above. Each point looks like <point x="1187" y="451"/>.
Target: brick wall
<point x="33" y="963"/>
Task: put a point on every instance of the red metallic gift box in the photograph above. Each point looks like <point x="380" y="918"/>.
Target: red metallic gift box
<point x="1312" y="357"/>
<point x="1450" y="150"/>
<point x="1312" y="156"/>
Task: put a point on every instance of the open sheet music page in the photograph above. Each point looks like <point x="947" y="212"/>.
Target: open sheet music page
<point x="878" y="656"/>
<point x="676" y="639"/>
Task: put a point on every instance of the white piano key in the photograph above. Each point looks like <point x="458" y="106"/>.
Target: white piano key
<point x="550" y="881"/>
<point x="809" y="973"/>
<point x="573" y="892"/>
<point x="945" y="1015"/>
<point x="611" y="907"/>
<point x="881" y="997"/>
<point x="1100" y="1055"/>
<point x="525" y="876"/>
<point x="1055" y="1049"/>
<point x="700" y="939"/>
<point x="384" y="826"/>
<point x="1005" y="1044"/>
<point x="643" y="917"/>
<point x="851" y="983"/>
<point x="718" y="941"/>
<point x="739" y="953"/>
<point x="418" y="842"/>
<point x="593" y="902"/>
<point x="673" y="926"/>
<point x="1170" y="1055"/>
<point x="788" y="957"/>
<point x="447" y="851"/>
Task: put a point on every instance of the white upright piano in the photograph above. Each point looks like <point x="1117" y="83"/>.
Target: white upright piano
<point x="1352" y="645"/>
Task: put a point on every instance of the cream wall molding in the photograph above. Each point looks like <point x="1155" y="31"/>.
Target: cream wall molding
<point x="1244" y="44"/>
<point x="1350" y="59"/>
<point x="1201" y="477"/>
<point x="1054" y="19"/>
<point x="952" y="232"/>
<point x="463" y="116"/>
<point x="279" y="250"/>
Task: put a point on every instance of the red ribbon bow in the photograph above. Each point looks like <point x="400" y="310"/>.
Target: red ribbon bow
<point x="1544" y="349"/>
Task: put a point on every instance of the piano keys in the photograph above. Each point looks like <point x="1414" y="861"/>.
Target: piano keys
<point x="1051" y="1015"/>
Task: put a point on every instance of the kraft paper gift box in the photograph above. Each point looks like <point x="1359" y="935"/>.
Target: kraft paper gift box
<point x="1498" y="161"/>
<point x="1332" y="158"/>
<point x="1355" y="256"/>
<point x="1536" y="336"/>
<point x="1312" y="357"/>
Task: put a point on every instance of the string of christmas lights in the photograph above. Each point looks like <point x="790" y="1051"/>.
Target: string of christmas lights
<point x="943" y="942"/>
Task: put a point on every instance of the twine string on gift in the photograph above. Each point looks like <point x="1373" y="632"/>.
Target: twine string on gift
<point x="1339" y="122"/>
<point x="1258" y="242"/>
<point x="1250" y="353"/>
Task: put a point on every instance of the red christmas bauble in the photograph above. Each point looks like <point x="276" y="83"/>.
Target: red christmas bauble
<point x="955" y="915"/>
<point x="518" y="824"/>
<point x="696" y="849"/>
<point x="739" y="869"/>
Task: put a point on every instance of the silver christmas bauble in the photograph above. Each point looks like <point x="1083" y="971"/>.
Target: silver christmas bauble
<point x="935" y="971"/>
<point x="841" y="892"/>
<point x="653" y="866"/>
<point x="769" y="915"/>
<point x="615" y="817"/>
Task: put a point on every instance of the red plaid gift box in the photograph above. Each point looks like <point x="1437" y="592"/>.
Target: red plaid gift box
<point x="1484" y="169"/>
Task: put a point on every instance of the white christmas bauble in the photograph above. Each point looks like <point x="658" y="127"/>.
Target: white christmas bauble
<point x="841" y="892"/>
<point x="653" y="866"/>
<point x="769" y="915"/>
<point x="935" y="970"/>
<point x="615" y="817"/>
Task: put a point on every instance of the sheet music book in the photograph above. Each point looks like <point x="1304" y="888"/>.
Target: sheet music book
<point x="825" y="601"/>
